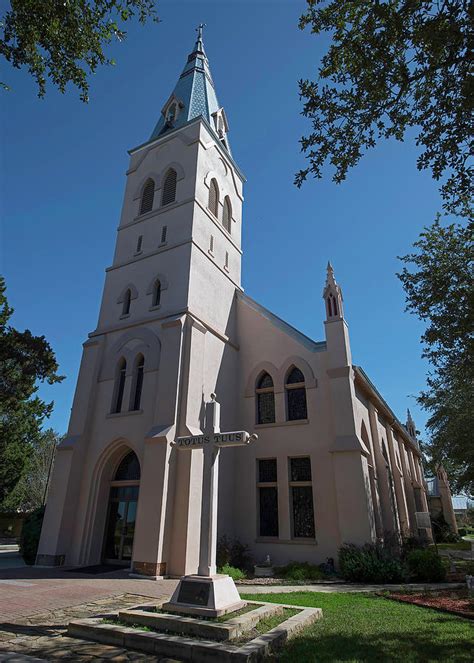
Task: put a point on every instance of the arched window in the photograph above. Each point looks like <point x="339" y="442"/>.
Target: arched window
<point x="137" y="383"/>
<point x="148" y="194"/>
<point x="126" y="302"/>
<point x="265" y="400"/>
<point x="129" y="468"/>
<point x="119" y="386"/>
<point x="295" y="395"/>
<point x="169" y="187"/>
<point x="227" y="214"/>
<point x="156" y="293"/>
<point x="332" y="306"/>
<point x="213" y="203"/>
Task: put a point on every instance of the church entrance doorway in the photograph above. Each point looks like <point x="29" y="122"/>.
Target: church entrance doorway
<point x="122" y="511"/>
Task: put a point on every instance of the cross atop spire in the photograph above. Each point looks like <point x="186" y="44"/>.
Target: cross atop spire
<point x="199" y="42"/>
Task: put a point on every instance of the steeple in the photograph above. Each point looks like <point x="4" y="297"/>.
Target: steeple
<point x="193" y="96"/>
<point x="332" y="294"/>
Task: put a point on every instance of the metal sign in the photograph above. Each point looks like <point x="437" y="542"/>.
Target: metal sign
<point x="231" y="439"/>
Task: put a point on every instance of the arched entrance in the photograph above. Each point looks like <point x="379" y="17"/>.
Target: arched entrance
<point x="122" y="511"/>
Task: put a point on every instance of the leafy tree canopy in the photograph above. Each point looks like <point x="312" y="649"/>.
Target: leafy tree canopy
<point x="24" y="360"/>
<point x="438" y="286"/>
<point x="64" y="39"/>
<point x="392" y="65"/>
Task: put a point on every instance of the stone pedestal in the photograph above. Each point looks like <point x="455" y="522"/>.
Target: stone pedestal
<point x="208" y="596"/>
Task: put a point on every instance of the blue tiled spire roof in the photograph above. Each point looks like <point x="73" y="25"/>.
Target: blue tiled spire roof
<point x="194" y="93"/>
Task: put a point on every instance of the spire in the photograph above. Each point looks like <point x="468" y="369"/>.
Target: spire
<point x="194" y="96"/>
<point x="332" y="295"/>
<point x="410" y="425"/>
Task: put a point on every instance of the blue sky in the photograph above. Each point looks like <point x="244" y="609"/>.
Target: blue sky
<point x="63" y="169"/>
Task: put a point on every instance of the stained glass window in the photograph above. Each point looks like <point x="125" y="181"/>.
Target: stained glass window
<point x="267" y="470"/>
<point x="296" y="395"/>
<point x="268" y="498"/>
<point x="303" y="515"/>
<point x="265" y="400"/>
<point x="265" y="381"/>
<point x="295" y="377"/>
<point x="300" y="469"/>
<point x="147" y="197"/>
<point x="129" y="468"/>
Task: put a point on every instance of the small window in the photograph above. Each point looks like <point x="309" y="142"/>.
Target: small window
<point x="156" y="293"/>
<point x="119" y="386"/>
<point x="226" y="264"/>
<point x="147" y="197"/>
<point x="265" y="400"/>
<point x="211" y="244"/>
<point x="171" y="115"/>
<point x="127" y="298"/>
<point x="267" y="487"/>
<point x="227" y="214"/>
<point x="138" y="383"/>
<point x="139" y="244"/>
<point x="301" y="497"/>
<point x="169" y="187"/>
<point x="213" y="203"/>
<point x="296" y="396"/>
<point x="164" y="230"/>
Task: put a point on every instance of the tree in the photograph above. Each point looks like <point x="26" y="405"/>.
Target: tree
<point x="64" y="39"/>
<point x="439" y="291"/>
<point x="392" y="65"/>
<point x="31" y="490"/>
<point x="25" y="360"/>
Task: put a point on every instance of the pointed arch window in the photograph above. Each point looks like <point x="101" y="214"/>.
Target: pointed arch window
<point x="137" y="383"/>
<point x="169" y="187"/>
<point x="148" y="195"/>
<point x="227" y="214"/>
<point x="127" y="298"/>
<point x="156" y="293"/>
<point x="332" y="306"/>
<point x="265" y="400"/>
<point x="295" y="395"/>
<point x="213" y="203"/>
<point x="119" y="386"/>
<point x="129" y="468"/>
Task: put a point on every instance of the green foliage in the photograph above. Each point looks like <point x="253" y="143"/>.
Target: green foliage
<point x="441" y="531"/>
<point x="30" y="535"/>
<point x="425" y="566"/>
<point x="438" y="287"/>
<point x="64" y="40"/>
<point x="363" y="628"/>
<point x="392" y="66"/>
<point x="233" y="553"/>
<point x="24" y="360"/>
<point x="233" y="572"/>
<point x="370" y="563"/>
<point x="300" y="571"/>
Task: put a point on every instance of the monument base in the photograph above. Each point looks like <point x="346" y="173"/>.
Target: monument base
<point x="208" y="596"/>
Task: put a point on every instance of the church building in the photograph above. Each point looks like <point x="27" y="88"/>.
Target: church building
<point x="332" y="463"/>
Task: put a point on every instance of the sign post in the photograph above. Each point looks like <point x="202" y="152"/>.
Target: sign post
<point x="209" y="593"/>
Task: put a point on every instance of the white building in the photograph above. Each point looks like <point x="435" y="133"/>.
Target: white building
<point x="332" y="463"/>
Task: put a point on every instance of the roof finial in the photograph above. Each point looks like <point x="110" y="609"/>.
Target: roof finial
<point x="199" y="42"/>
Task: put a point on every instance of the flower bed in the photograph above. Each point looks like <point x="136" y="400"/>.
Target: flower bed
<point x="457" y="601"/>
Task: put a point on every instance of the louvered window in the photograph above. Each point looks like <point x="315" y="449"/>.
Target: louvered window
<point x="147" y="197"/>
<point x="227" y="215"/>
<point x="265" y="400"/>
<point x="296" y="396"/>
<point x="163" y="234"/>
<point x="213" y="203"/>
<point x="169" y="187"/>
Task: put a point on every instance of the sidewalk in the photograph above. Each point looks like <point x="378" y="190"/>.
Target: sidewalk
<point x="345" y="587"/>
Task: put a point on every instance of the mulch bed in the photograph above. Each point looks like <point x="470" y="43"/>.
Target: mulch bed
<point x="457" y="602"/>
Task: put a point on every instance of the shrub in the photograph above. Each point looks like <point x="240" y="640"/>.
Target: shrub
<point x="369" y="563"/>
<point x="425" y="566"/>
<point x="30" y="535"/>
<point x="441" y="531"/>
<point x="300" y="571"/>
<point x="233" y="572"/>
<point x="233" y="553"/>
<point x="462" y="531"/>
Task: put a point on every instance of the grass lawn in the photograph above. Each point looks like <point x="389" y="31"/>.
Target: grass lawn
<point x="460" y="545"/>
<point x="358" y="627"/>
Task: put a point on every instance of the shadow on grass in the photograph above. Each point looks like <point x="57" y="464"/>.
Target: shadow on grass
<point x="392" y="647"/>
